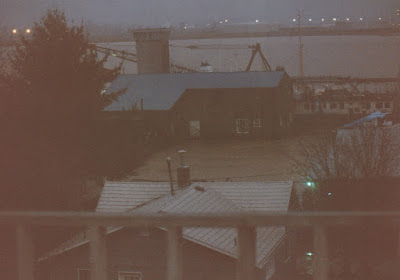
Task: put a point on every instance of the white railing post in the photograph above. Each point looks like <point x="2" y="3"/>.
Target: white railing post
<point x="247" y="253"/>
<point x="98" y="253"/>
<point x="174" y="254"/>
<point x="25" y="257"/>
<point x="321" y="260"/>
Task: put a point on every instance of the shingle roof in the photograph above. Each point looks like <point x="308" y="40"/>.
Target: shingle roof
<point x="161" y="91"/>
<point x="199" y="198"/>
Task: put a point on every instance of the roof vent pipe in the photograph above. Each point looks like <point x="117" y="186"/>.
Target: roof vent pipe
<point x="171" y="182"/>
<point x="183" y="172"/>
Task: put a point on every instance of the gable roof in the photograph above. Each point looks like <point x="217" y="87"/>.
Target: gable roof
<point x="200" y="198"/>
<point x="161" y="91"/>
<point x="206" y="200"/>
<point x="122" y="196"/>
<point x="250" y="196"/>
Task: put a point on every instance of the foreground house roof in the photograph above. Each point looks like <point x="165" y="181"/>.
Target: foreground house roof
<point x="161" y="91"/>
<point x="199" y="198"/>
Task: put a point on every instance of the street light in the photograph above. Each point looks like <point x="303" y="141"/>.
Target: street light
<point x="14" y="31"/>
<point x="28" y="31"/>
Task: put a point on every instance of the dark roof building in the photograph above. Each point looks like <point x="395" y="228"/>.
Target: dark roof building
<point x="209" y="104"/>
<point x="162" y="91"/>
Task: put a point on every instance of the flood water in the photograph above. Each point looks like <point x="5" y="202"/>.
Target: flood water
<point x="356" y="56"/>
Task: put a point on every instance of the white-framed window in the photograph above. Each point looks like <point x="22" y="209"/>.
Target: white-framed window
<point x="257" y="122"/>
<point x="242" y="126"/>
<point x="130" y="275"/>
<point x="84" y="274"/>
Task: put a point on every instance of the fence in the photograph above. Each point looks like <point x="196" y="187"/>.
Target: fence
<point x="246" y="225"/>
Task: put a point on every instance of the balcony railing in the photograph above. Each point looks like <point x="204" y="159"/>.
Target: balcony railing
<point x="246" y="225"/>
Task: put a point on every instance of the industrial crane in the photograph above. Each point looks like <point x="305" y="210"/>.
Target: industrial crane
<point x="175" y="68"/>
<point x="255" y="49"/>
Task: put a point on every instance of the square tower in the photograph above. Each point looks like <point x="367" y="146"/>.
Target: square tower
<point x="152" y="50"/>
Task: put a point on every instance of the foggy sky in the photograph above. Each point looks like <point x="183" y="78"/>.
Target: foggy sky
<point x="161" y="12"/>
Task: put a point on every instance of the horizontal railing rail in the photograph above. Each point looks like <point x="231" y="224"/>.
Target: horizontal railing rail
<point x="246" y="225"/>
<point x="220" y="220"/>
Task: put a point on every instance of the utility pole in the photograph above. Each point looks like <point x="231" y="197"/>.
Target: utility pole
<point x="301" y="69"/>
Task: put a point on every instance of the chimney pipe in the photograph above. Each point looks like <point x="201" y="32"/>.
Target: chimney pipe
<point x="183" y="172"/>
<point x="171" y="183"/>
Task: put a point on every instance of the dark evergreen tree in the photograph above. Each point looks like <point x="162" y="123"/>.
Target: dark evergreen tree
<point x="52" y="94"/>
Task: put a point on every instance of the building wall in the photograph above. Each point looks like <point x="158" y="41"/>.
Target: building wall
<point x="261" y="112"/>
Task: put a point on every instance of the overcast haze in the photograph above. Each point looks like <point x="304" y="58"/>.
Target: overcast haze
<point x="159" y="12"/>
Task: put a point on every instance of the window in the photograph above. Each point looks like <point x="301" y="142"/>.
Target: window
<point x="324" y="105"/>
<point x="332" y="106"/>
<point x="357" y="110"/>
<point x="313" y="107"/>
<point x="368" y="105"/>
<point x="84" y="274"/>
<point x="387" y="105"/>
<point x="257" y="120"/>
<point x="306" y="106"/>
<point x="242" y="126"/>
<point x="378" y="105"/>
<point x="342" y="105"/>
<point x="129" y="275"/>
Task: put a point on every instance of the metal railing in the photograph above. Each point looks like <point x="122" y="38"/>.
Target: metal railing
<point x="246" y="225"/>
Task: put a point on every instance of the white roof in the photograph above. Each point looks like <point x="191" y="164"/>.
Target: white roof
<point x="123" y="196"/>
<point x="207" y="200"/>
<point x="200" y="198"/>
<point x="250" y="196"/>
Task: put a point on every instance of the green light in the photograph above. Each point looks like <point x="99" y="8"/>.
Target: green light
<point x="309" y="254"/>
<point x="310" y="184"/>
<point x="329" y="193"/>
